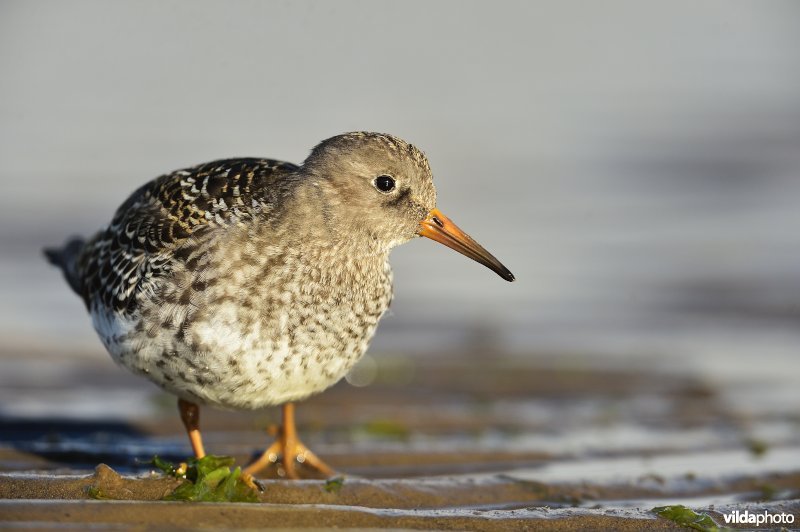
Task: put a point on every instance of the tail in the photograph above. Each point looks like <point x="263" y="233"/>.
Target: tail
<point x="66" y="258"/>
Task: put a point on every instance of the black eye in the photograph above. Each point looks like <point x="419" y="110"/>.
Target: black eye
<point x="384" y="183"/>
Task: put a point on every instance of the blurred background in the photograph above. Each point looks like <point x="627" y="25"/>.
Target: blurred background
<point x="635" y="164"/>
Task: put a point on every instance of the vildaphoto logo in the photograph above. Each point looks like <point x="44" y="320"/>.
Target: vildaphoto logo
<point x="738" y="517"/>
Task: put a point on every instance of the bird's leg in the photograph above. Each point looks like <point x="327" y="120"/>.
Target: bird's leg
<point x="190" y="415"/>
<point x="289" y="437"/>
<point x="290" y="449"/>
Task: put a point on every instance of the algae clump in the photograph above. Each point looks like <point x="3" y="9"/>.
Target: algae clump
<point x="682" y="515"/>
<point x="333" y="485"/>
<point x="208" y="479"/>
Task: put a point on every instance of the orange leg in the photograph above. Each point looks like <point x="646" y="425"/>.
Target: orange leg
<point x="290" y="449"/>
<point x="190" y="415"/>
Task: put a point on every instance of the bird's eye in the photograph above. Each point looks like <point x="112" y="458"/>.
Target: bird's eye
<point x="384" y="183"/>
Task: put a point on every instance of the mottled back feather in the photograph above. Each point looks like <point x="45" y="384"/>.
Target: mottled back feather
<point x="149" y="230"/>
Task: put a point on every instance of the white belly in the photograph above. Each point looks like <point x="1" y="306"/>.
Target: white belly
<point x="232" y="363"/>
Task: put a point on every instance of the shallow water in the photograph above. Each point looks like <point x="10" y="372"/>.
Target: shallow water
<point x="472" y="437"/>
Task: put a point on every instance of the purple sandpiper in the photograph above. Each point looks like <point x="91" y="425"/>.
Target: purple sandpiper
<point x="247" y="283"/>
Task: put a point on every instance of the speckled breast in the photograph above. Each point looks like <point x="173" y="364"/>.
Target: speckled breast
<point x="268" y="327"/>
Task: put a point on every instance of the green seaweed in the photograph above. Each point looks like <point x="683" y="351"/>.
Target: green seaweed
<point x="208" y="479"/>
<point x="333" y="485"/>
<point x="757" y="448"/>
<point x="768" y="491"/>
<point x="165" y="467"/>
<point x="385" y="428"/>
<point x="95" y="493"/>
<point x="684" y="516"/>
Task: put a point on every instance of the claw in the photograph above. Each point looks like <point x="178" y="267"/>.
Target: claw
<point x="252" y="482"/>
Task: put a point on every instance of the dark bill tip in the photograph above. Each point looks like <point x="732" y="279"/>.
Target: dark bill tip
<point x="440" y="228"/>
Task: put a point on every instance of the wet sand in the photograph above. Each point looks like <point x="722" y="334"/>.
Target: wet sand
<point x="450" y="441"/>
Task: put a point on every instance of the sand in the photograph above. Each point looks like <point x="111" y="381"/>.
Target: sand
<point x="458" y="442"/>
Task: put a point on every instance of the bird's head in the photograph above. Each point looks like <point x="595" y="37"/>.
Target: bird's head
<point x="379" y="189"/>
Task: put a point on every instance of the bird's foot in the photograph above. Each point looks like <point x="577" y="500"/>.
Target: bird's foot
<point x="289" y="451"/>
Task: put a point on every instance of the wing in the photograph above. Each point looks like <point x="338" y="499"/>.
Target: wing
<point x="157" y="224"/>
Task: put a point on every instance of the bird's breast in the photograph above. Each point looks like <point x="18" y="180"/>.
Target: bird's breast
<point x="248" y="330"/>
<point x="296" y="327"/>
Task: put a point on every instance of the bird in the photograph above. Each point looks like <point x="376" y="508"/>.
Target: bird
<point x="248" y="283"/>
